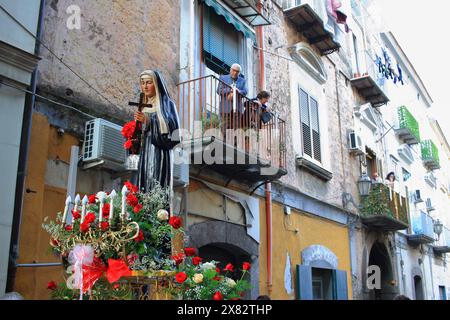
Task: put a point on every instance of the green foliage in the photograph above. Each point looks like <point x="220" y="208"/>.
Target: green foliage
<point x="102" y="290"/>
<point x="430" y="151"/>
<point x="377" y="202"/>
<point x="407" y="120"/>
<point x="212" y="122"/>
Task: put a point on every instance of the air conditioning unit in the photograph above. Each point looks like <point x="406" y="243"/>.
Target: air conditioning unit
<point x="429" y="205"/>
<point x="355" y="143"/>
<point x="103" y="145"/>
<point x="416" y="197"/>
<point x="180" y="168"/>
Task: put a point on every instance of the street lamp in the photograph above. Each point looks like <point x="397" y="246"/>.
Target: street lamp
<point x="438" y="228"/>
<point x="364" y="184"/>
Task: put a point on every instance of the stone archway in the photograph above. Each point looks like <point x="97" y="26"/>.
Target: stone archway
<point x="222" y="240"/>
<point x="379" y="256"/>
<point x="417" y="283"/>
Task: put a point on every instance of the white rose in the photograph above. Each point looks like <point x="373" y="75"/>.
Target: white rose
<point x="198" y="278"/>
<point x="162" y="215"/>
<point x="208" y="265"/>
<point x="230" y="282"/>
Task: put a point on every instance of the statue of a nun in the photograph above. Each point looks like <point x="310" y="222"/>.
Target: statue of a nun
<point x="159" y="138"/>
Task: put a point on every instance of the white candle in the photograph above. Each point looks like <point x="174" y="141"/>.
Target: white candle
<point x="102" y="201"/>
<point x="124" y="199"/>
<point x="66" y="208"/>
<point x="111" y="206"/>
<point x="83" y="207"/>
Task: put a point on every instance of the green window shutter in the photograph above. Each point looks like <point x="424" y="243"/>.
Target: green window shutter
<point x="305" y="122"/>
<point x="304" y="283"/>
<point x="340" y="290"/>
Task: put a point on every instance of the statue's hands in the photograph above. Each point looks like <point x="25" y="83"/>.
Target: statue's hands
<point x="140" y="116"/>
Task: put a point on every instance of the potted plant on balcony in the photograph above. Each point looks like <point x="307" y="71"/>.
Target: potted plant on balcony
<point x="377" y="202"/>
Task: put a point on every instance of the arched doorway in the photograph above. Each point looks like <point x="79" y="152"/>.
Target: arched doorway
<point x="379" y="256"/>
<point x="418" y="288"/>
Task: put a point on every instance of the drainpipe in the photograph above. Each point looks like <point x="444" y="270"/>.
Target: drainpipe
<point x="268" y="184"/>
<point x="23" y="159"/>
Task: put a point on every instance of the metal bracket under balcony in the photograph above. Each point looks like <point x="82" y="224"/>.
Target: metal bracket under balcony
<point x="383" y="223"/>
<point x="312" y="27"/>
<point x="417" y="239"/>
<point x="235" y="164"/>
<point x="369" y="89"/>
<point x="441" y="249"/>
<point x="406" y="135"/>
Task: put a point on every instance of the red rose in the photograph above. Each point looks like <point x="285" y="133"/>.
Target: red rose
<point x="90" y="217"/>
<point x="105" y="210"/>
<point x="196" y="261"/>
<point x="131" y="187"/>
<point x="128" y="144"/>
<point x="217" y="296"/>
<point x="92" y="199"/>
<point x="189" y="252"/>
<point x="76" y="215"/>
<point x="54" y="242"/>
<point x="51" y="285"/>
<point x="217" y="270"/>
<point x="140" y="237"/>
<point x="181" y="277"/>
<point x="137" y="208"/>
<point x="246" y="266"/>
<point x="132" y="200"/>
<point x="68" y="227"/>
<point x="84" y="227"/>
<point x="175" y="222"/>
<point x="116" y="286"/>
<point x="104" y="225"/>
<point x="217" y="278"/>
<point x="178" y="258"/>
<point x="229" y="267"/>
<point x="128" y="129"/>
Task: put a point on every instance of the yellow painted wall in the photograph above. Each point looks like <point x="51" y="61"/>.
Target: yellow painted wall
<point x="312" y="231"/>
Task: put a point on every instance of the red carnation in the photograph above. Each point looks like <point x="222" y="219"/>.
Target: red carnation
<point x="90" y="217"/>
<point x="104" y="225"/>
<point x="137" y="208"/>
<point x="196" y="261"/>
<point x="92" y="199"/>
<point x="128" y="144"/>
<point x="178" y="258"/>
<point x="181" y="277"/>
<point x="105" y="210"/>
<point x="51" y="285"/>
<point x="246" y="266"/>
<point x="128" y="129"/>
<point x="217" y="296"/>
<point x="76" y="215"/>
<point x="132" y="200"/>
<point x="68" y="227"/>
<point x="131" y="187"/>
<point x="189" y="252"/>
<point x="140" y="237"/>
<point x="84" y="227"/>
<point x="175" y="222"/>
<point x="229" y="267"/>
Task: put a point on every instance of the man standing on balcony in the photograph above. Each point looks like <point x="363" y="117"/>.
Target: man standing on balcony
<point x="232" y="88"/>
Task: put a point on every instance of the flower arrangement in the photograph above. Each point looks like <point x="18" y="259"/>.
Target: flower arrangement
<point x="132" y="131"/>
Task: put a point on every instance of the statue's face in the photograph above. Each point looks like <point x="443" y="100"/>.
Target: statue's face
<point x="148" y="87"/>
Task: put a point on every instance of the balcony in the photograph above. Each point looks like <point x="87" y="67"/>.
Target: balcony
<point x="310" y="21"/>
<point x="422" y="229"/>
<point x="248" y="10"/>
<point x="430" y="155"/>
<point x="408" y="127"/>
<point x="369" y="82"/>
<point x="384" y="210"/>
<point x="236" y="144"/>
<point x="443" y="244"/>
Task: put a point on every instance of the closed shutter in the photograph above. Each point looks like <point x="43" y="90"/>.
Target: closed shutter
<point x="340" y="290"/>
<point x="305" y="122"/>
<point x="304" y="283"/>
<point x="221" y="42"/>
<point x="315" y="129"/>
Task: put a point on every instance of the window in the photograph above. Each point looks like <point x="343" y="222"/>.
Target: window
<point x="442" y="293"/>
<point x="395" y="167"/>
<point x="406" y="175"/>
<point x="309" y="119"/>
<point x="322" y="284"/>
<point x="222" y="43"/>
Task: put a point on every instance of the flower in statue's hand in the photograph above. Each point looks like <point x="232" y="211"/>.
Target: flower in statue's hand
<point x="198" y="278"/>
<point x="162" y="215"/>
<point x="189" y="252"/>
<point x="217" y="296"/>
<point x="51" y="285"/>
<point x="196" y="261"/>
<point x="128" y="144"/>
<point x="104" y="225"/>
<point x="140" y="237"/>
<point x="246" y="266"/>
<point x="175" y="222"/>
<point x="76" y="215"/>
<point x="128" y="129"/>
<point x="229" y="267"/>
<point x="181" y="277"/>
